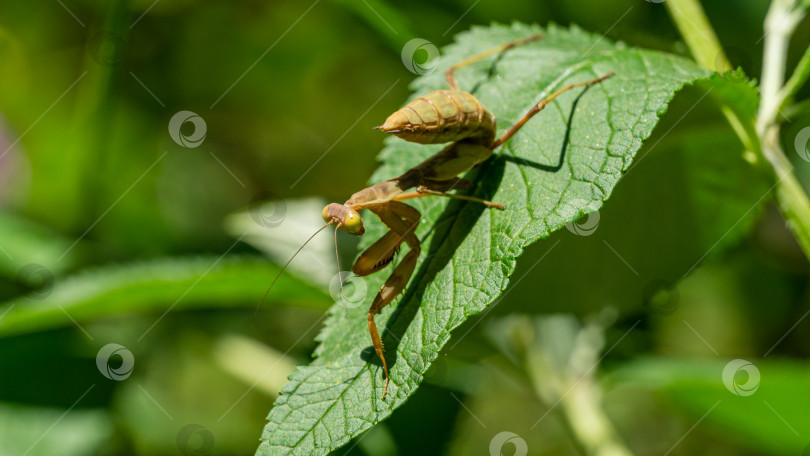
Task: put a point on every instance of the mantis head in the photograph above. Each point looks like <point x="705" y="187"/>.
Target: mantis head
<point x="344" y="217"/>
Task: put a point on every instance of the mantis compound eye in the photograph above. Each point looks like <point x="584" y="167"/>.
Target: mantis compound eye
<point x="333" y="213"/>
<point x="353" y="223"/>
<point x="327" y="213"/>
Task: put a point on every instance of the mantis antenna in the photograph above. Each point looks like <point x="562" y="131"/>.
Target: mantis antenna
<point x="288" y="263"/>
<point x="337" y="255"/>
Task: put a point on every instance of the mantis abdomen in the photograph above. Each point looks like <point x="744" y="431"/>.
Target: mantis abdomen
<point x="442" y="116"/>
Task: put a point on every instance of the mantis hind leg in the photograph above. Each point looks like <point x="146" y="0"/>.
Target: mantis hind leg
<point x="423" y="191"/>
<point x="455" y="183"/>
<point x="402" y="219"/>
<point x="542" y="104"/>
<point x="451" y="78"/>
<point x="441" y="187"/>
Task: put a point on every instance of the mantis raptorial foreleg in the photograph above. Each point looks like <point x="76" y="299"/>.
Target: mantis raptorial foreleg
<point x="378" y="255"/>
<point x="402" y="219"/>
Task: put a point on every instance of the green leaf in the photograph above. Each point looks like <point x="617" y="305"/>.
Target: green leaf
<point x="158" y="285"/>
<point x="469" y="252"/>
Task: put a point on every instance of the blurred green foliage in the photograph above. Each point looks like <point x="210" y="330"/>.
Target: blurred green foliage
<point x="126" y="228"/>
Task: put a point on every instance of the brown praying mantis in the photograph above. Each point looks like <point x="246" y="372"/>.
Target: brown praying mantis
<point x="441" y="116"/>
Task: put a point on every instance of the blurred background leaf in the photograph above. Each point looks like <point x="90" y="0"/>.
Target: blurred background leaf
<point x="96" y="195"/>
<point x="157" y="286"/>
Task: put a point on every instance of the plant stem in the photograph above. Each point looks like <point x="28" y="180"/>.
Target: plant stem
<point x="797" y="109"/>
<point x="698" y="33"/>
<point x="799" y="77"/>
<point x="781" y="21"/>
<point x="569" y="381"/>
<point x="790" y="195"/>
